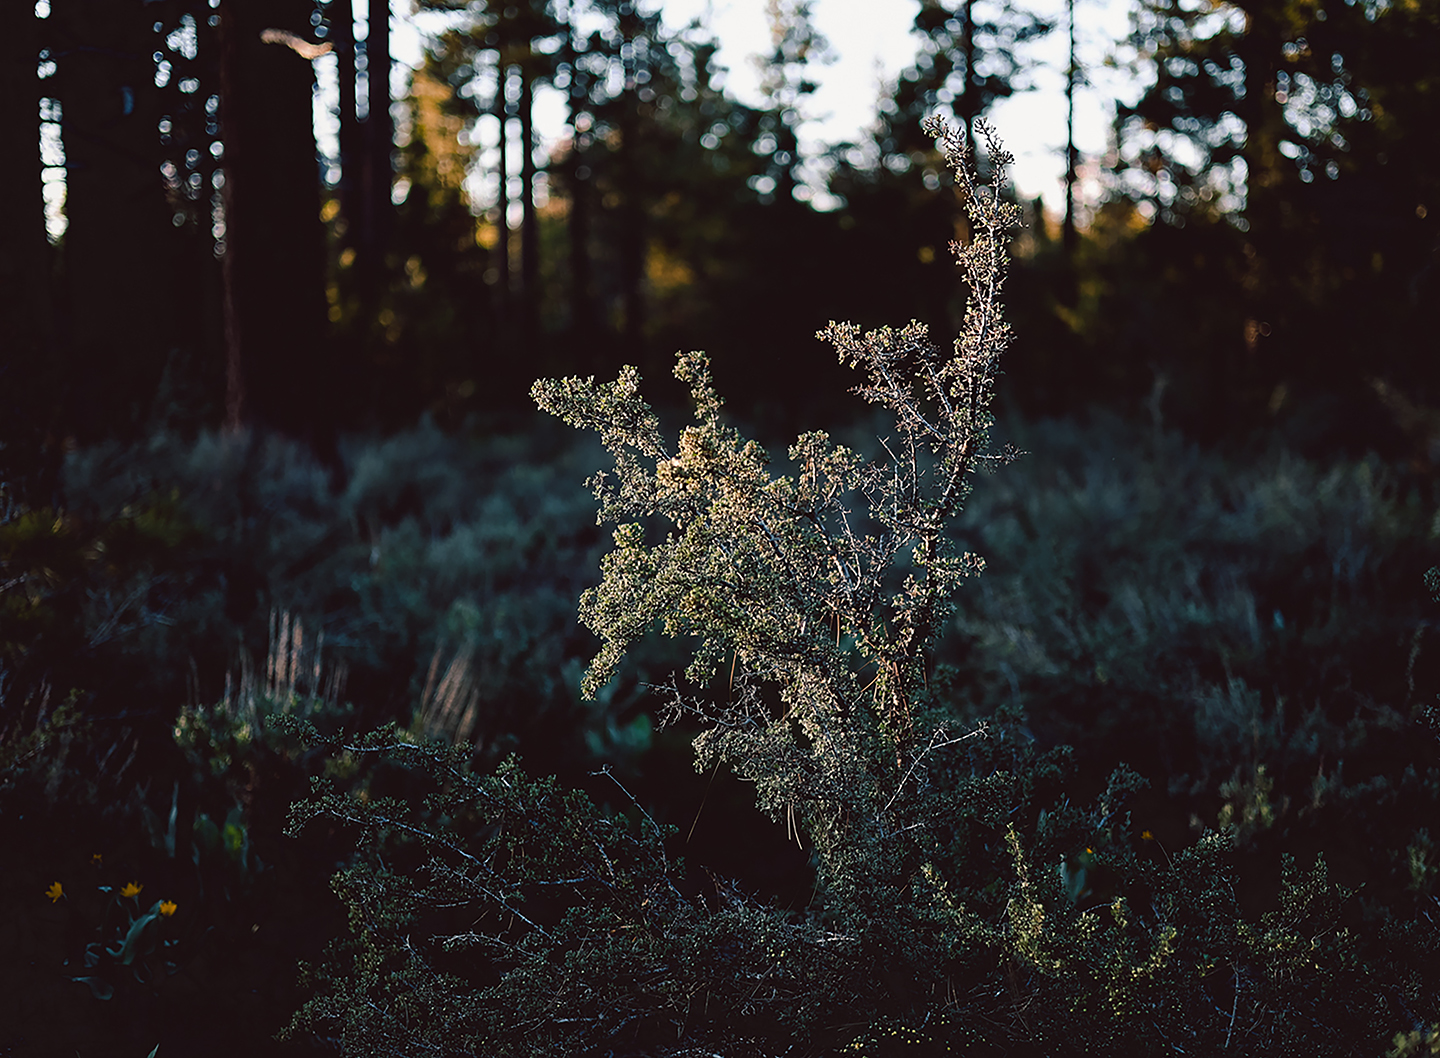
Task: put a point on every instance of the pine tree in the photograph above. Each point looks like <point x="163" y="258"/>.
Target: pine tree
<point x="1272" y="120"/>
<point x="274" y="240"/>
<point x="27" y="390"/>
<point x="119" y="257"/>
<point x="787" y="81"/>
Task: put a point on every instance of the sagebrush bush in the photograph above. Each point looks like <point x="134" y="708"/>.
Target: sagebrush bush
<point x="426" y="551"/>
<point x="1247" y="633"/>
<point x="968" y="896"/>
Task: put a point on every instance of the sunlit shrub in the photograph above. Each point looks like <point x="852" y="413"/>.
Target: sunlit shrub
<point x="967" y="895"/>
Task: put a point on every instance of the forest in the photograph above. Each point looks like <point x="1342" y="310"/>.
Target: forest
<point x="1055" y="672"/>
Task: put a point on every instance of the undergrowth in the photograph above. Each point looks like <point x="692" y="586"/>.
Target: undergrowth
<point x="975" y="890"/>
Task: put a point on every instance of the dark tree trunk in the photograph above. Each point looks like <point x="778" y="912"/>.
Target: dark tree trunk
<point x="1072" y="159"/>
<point x="376" y="207"/>
<point x="276" y="274"/>
<point x="26" y="387"/>
<point x="969" y="101"/>
<point x="23" y="246"/>
<point x="502" y="200"/>
<point x="632" y="246"/>
<point x="582" y="314"/>
<point x="120" y="248"/>
<point x="236" y="410"/>
<point x="530" y="224"/>
<point x="632" y="226"/>
<point x="582" y="323"/>
<point x="1266" y="240"/>
<point x="351" y="135"/>
<point x="192" y="382"/>
<point x="788" y="142"/>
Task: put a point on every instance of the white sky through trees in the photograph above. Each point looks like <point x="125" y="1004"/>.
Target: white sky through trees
<point x="872" y="44"/>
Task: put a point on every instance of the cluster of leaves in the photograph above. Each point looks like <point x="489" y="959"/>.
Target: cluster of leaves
<point x="781" y="576"/>
<point x="966" y="892"/>
<point x="132" y="940"/>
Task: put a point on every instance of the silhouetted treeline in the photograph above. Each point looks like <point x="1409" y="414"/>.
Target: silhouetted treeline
<point x="1265" y="252"/>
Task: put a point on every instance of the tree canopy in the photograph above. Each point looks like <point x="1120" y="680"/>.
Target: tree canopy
<point x="1261" y="253"/>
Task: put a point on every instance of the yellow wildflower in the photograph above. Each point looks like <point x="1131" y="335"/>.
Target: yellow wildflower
<point x="131" y="889"/>
<point x="55" y="892"/>
<point x="95" y="858"/>
<point x="1145" y="835"/>
<point x="168" y="907"/>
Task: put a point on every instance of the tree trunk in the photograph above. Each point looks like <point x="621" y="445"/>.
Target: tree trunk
<point x="632" y="227"/>
<point x="275" y="285"/>
<point x="23" y="245"/>
<point x="969" y="103"/>
<point x="351" y="135"/>
<point x="502" y="200"/>
<point x="582" y="313"/>
<point x="787" y="142"/>
<point x="1072" y="161"/>
<point x="236" y="412"/>
<point x="26" y="394"/>
<point x="582" y="324"/>
<point x="530" y="225"/>
<point x="120" y="249"/>
<point x="379" y="144"/>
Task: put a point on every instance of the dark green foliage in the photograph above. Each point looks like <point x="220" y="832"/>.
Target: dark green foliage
<point x="187" y="566"/>
<point x="145" y="897"/>
<point x="506" y="916"/>
<point x="1231" y="611"/>
<point x="1250" y="637"/>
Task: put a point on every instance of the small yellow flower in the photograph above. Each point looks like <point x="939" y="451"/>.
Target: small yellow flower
<point x="1145" y="835"/>
<point x="168" y="907"/>
<point x="131" y="889"/>
<point x="95" y="858"/>
<point x="1089" y="850"/>
<point x="55" y="892"/>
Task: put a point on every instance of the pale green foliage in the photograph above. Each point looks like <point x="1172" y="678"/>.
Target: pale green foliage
<point x="1418" y="1043"/>
<point x="827" y="584"/>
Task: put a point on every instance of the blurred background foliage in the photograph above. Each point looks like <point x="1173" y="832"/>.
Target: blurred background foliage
<point x="266" y="446"/>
